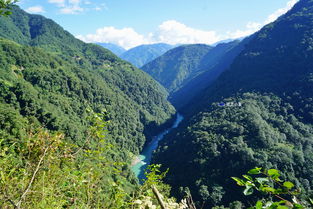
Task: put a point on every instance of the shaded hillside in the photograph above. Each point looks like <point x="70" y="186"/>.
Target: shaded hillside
<point x="177" y="66"/>
<point x="187" y="70"/>
<point x="258" y="113"/>
<point x="141" y="55"/>
<point x="213" y="64"/>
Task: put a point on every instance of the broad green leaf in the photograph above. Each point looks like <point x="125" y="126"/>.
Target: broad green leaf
<point x="297" y="206"/>
<point x="288" y="185"/>
<point x="248" y="177"/>
<point x="273" y="173"/>
<point x="274" y="205"/>
<point x="311" y="201"/>
<point x="259" y="205"/>
<point x="282" y="202"/>
<point x="282" y="207"/>
<point x="255" y="171"/>
<point x="269" y="189"/>
<point x="239" y="181"/>
<point x="297" y="192"/>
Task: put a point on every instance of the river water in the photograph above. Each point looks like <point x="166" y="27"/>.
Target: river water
<point x="144" y="158"/>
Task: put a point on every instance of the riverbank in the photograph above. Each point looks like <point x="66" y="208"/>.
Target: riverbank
<point x="141" y="162"/>
<point x="135" y="161"/>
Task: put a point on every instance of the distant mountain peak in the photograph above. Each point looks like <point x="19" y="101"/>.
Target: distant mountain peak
<point x="116" y="49"/>
<point x="140" y="55"/>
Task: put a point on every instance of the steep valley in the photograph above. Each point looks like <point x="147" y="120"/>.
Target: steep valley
<point x="82" y="128"/>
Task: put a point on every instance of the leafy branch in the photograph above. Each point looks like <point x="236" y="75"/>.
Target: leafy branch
<point x="18" y="205"/>
<point x="6" y="6"/>
<point x="269" y="182"/>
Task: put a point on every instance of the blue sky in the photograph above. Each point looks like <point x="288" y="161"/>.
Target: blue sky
<point x="129" y="23"/>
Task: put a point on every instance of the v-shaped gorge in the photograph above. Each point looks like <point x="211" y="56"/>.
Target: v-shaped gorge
<point x="245" y="103"/>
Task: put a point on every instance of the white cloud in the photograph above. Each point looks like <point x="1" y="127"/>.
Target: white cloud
<point x="125" y="37"/>
<point x="279" y="12"/>
<point x="60" y="3"/>
<point x="74" y="9"/>
<point x="35" y="9"/>
<point x="73" y="6"/>
<point x="252" y="27"/>
<point x="74" y="1"/>
<point x="173" y="32"/>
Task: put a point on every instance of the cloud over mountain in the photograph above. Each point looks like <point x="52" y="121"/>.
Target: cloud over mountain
<point x="252" y="27"/>
<point x="35" y="9"/>
<point x="174" y="32"/>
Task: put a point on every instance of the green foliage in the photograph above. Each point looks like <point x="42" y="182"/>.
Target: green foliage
<point x="272" y="79"/>
<point x="43" y="170"/>
<point x="177" y="65"/>
<point x="263" y="132"/>
<point x="210" y="67"/>
<point x="5" y="7"/>
<point x="49" y="156"/>
<point x="277" y="59"/>
<point x="281" y="194"/>
<point x="54" y="83"/>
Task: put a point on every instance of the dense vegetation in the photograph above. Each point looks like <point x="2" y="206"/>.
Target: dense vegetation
<point x="56" y="152"/>
<point x="143" y="54"/>
<point x="187" y="70"/>
<point x="281" y="193"/>
<point x="6" y="6"/>
<point x="177" y="65"/>
<point x="113" y="48"/>
<point x="56" y="90"/>
<point x="50" y="86"/>
<point x="258" y="113"/>
<point x="41" y="169"/>
<point x="230" y="140"/>
<point x="215" y="62"/>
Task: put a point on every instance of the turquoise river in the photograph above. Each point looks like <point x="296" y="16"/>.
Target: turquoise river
<point x="143" y="160"/>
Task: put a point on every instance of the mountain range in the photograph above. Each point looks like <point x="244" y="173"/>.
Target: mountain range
<point x="139" y="55"/>
<point x="74" y="116"/>
<point x="186" y="70"/>
<point x="143" y="54"/>
<point x="257" y="113"/>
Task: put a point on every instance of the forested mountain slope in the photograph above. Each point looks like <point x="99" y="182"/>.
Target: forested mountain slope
<point x="215" y="62"/>
<point x="257" y="113"/>
<point x="186" y="70"/>
<point x="57" y="82"/>
<point x="177" y="65"/>
<point x="72" y="116"/>
<point x="141" y="55"/>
